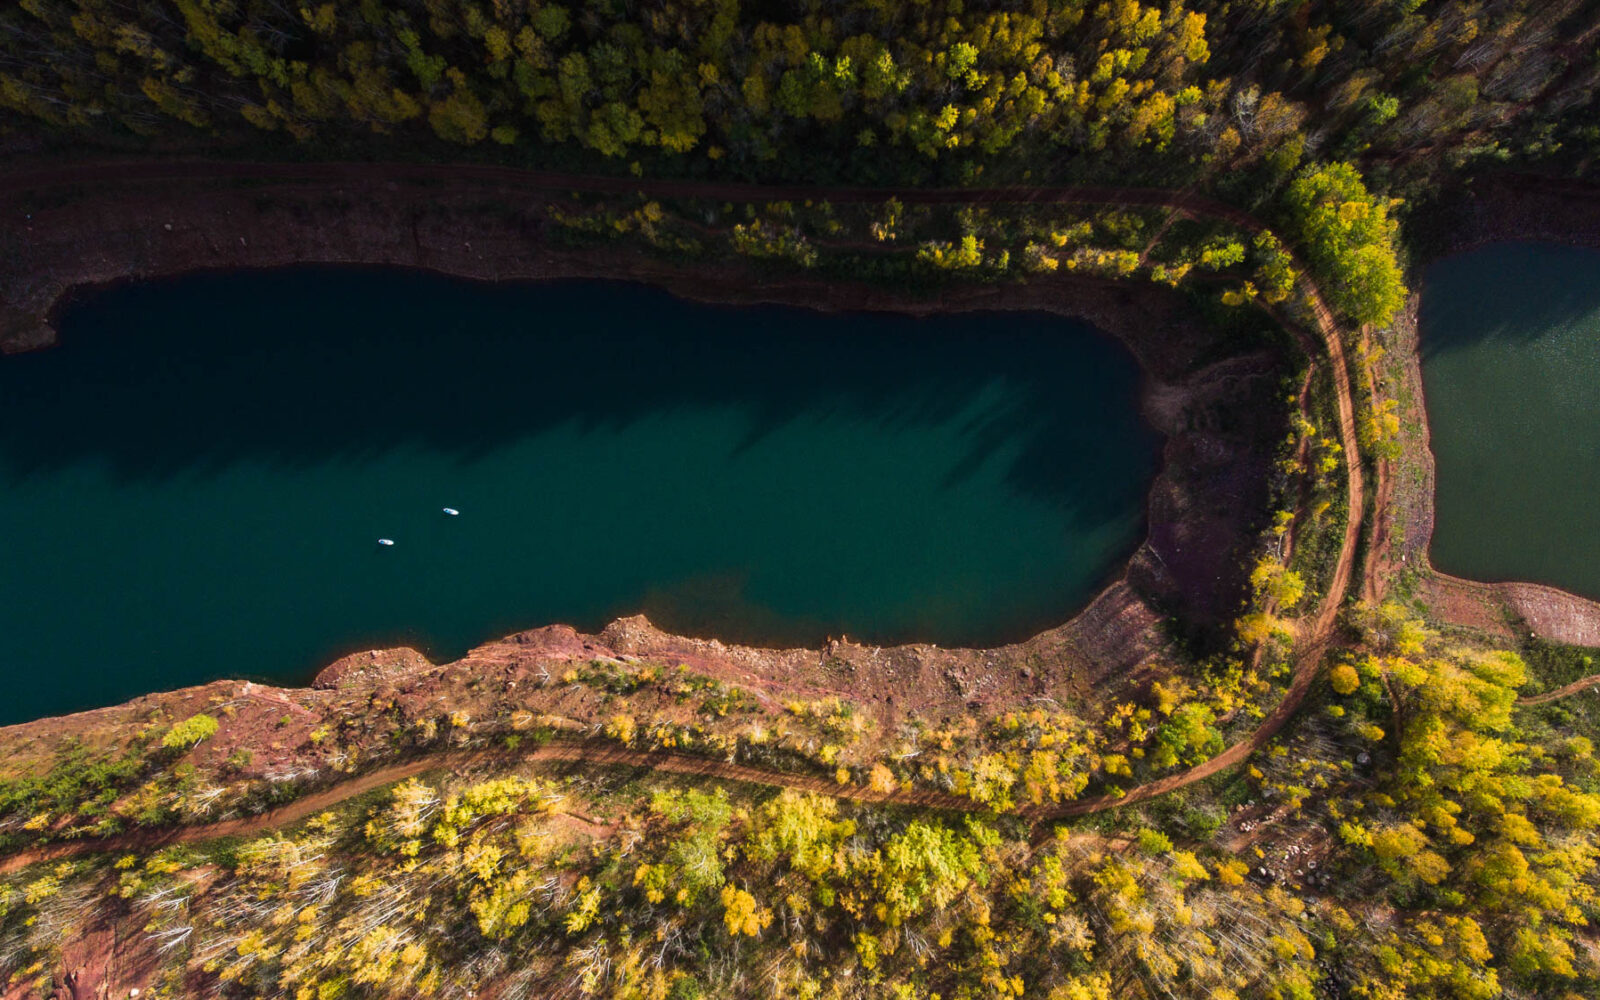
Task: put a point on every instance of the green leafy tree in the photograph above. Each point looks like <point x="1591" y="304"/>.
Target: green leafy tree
<point x="195" y="729"/>
<point x="1349" y="237"/>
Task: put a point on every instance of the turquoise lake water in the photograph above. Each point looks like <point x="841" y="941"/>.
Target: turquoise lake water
<point x="1511" y="371"/>
<point x="194" y="483"/>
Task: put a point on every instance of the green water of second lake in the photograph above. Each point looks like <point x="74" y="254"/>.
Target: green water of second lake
<point x="193" y="484"/>
<point x="1511" y="371"/>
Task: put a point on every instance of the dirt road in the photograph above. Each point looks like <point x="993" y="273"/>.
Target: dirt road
<point x="596" y="754"/>
<point x="1581" y="684"/>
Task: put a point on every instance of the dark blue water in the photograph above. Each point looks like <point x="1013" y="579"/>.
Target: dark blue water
<point x="1511" y="369"/>
<point x="193" y="484"/>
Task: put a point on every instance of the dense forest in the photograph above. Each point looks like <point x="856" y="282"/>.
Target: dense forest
<point x="954" y="90"/>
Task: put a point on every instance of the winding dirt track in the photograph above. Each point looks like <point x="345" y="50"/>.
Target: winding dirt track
<point x="1315" y="632"/>
<point x="1315" y="635"/>
<point x="607" y="755"/>
<point x="1581" y="684"/>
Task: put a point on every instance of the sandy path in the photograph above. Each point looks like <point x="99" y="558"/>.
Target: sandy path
<point x="1313" y="642"/>
<point x="1581" y="684"/>
<point x="576" y="753"/>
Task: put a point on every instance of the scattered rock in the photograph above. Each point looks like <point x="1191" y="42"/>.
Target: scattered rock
<point x="374" y="664"/>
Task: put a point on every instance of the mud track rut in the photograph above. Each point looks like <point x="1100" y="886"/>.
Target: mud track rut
<point x="606" y="755"/>
<point x="1316" y="632"/>
<point x="1581" y="684"/>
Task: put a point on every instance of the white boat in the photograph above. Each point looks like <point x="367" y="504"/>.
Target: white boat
<point x="385" y="541"/>
<point x="451" y="511"/>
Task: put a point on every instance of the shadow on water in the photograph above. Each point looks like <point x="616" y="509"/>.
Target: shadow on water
<point x="196" y="478"/>
<point x="1552" y="286"/>
<point x="304" y="365"/>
